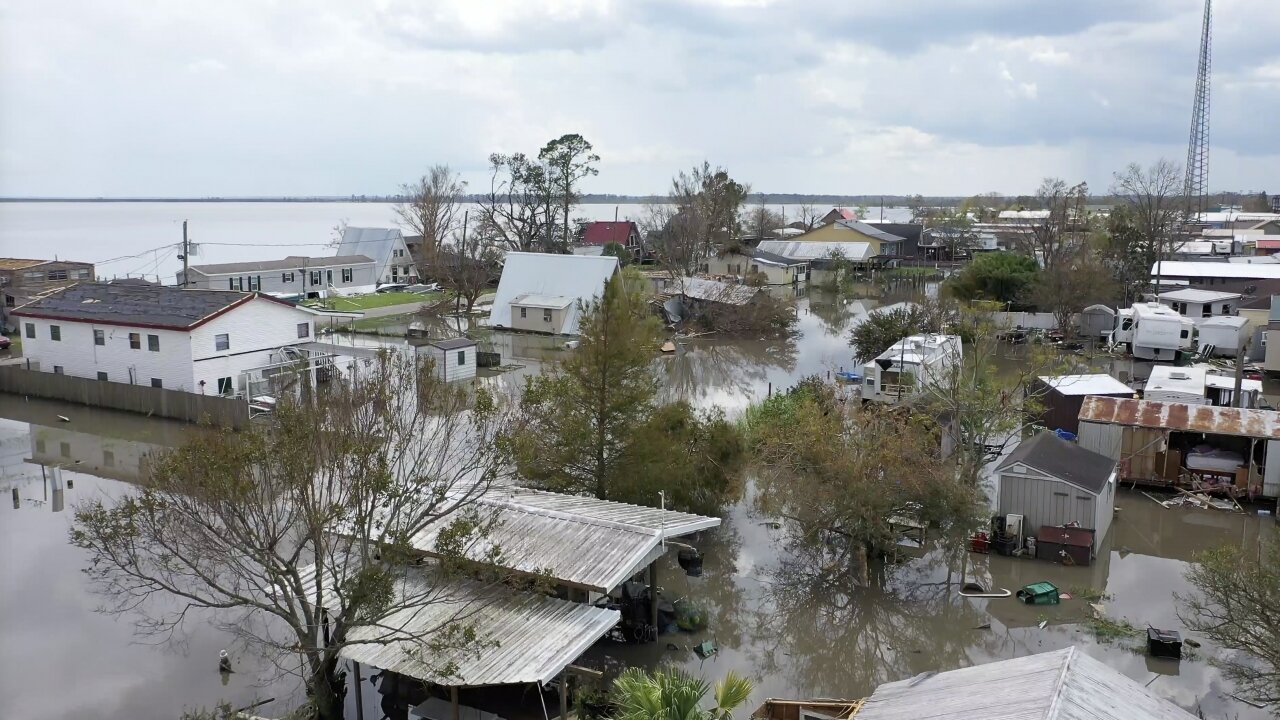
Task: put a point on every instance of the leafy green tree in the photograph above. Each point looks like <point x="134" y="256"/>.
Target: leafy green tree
<point x="296" y="531"/>
<point x="592" y="424"/>
<point x="568" y="160"/>
<point x="672" y="694"/>
<point x="1237" y="606"/>
<point x="882" y="328"/>
<point x="617" y="250"/>
<point x="1005" y="277"/>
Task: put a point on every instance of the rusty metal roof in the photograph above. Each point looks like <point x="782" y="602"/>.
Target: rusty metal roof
<point x="1182" y="417"/>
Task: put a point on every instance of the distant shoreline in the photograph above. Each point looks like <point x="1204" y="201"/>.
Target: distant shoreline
<point x="773" y="199"/>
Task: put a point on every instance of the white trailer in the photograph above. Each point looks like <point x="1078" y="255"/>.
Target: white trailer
<point x="1159" y="332"/>
<point x="1224" y="335"/>
<point x="898" y="374"/>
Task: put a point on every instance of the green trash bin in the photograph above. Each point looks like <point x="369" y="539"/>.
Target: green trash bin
<point x="1040" y="593"/>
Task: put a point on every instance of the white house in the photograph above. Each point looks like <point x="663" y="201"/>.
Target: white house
<point x="772" y="268"/>
<point x="1201" y="274"/>
<point x="1197" y="304"/>
<point x="540" y="292"/>
<point x="200" y="341"/>
<point x="454" y="359"/>
<point x="897" y="374"/>
<point x="307" y="277"/>
<point x="386" y="246"/>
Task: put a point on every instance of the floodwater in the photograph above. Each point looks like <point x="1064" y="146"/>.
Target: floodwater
<point x="777" y="613"/>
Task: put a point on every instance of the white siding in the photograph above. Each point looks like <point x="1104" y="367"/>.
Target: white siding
<point x="1271" y="474"/>
<point x="1045" y="501"/>
<point x="254" y="329"/>
<point x="363" y="279"/>
<point x="448" y="366"/>
<point x="80" y="357"/>
<point x="1104" y="439"/>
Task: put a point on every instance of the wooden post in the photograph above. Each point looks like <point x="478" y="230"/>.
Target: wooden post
<point x="453" y="698"/>
<point x="653" y="597"/>
<point x="564" y="695"/>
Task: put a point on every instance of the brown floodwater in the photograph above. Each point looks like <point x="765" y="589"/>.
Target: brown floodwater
<point x="776" y="611"/>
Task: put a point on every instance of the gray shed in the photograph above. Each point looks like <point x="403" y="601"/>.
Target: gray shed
<point x="1050" y="481"/>
<point x="1096" y="321"/>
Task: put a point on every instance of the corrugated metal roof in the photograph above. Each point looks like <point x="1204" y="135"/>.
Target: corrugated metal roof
<point x="1180" y="269"/>
<point x="1178" y="416"/>
<point x="870" y="231"/>
<point x="817" y="250"/>
<point x="573" y="276"/>
<point x="716" y="291"/>
<point x="1059" y="685"/>
<point x="582" y="542"/>
<point x="376" y="243"/>
<point x="1199" y="296"/>
<point x="528" y="638"/>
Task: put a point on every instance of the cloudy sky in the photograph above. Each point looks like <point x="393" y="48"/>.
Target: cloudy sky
<point x="332" y="97"/>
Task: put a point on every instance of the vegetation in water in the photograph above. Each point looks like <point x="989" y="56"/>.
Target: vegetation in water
<point x="1106" y="628"/>
<point x="676" y="694"/>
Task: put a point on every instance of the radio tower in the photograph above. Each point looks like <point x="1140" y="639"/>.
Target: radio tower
<point x="1198" y="146"/>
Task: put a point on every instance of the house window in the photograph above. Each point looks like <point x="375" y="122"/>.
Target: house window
<point x="153" y="343"/>
<point x="81" y="274"/>
<point x="346" y="275"/>
<point x="462" y="357"/>
<point x="286" y="277"/>
<point x="1185" y="334"/>
<point x="31" y="330"/>
<point x="57" y="369"/>
<point x="55" y="332"/>
<point x="135" y="341"/>
<point x="304" y="330"/>
<point x="1207" y="311"/>
<point x="224" y="386"/>
<point x="157" y="383"/>
<point x="108" y="458"/>
<point x="1226" y="309"/>
<point x="57" y="275"/>
<point x="255" y="283"/>
<point x="328" y="277"/>
<point x="524" y="313"/>
<point x="315" y="277"/>
<point x="102" y="376"/>
<point x="34" y="276"/>
<point x="99" y="337"/>
<point x="222" y="342"/>
<point x="546" y="316"/>
<point x="40" y="446"/>
<point x="231" y="283"/>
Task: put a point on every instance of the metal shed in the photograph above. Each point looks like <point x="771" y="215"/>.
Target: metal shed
<point x="455" y="359"/>
<point x="1062" y="396"/>
<point x="1052" y="482"/>
<point x="1059" y="685"/>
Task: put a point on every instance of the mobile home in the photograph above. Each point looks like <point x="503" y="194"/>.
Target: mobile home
<point x="1159" y="332"/>
<point x="1223" y="336"/>
<point x="1199" y="385"/>
<point x="898" y="373"/>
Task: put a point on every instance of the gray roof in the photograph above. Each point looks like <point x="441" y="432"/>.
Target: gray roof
<point x="578" y="541"/>
<point x="293" y="262"/>
<point x="576" y="277"/>
<point x="870" y="231"/>
<point x="1052" y="455"/>
<point x="452" y="344"/>
<point x="376" y="243"/>
<point x="906" y="231"/>
<point x="716" y="291"/>
<point x="1059" y="685"/>
<point x="155" y="306"/>
<point x="776" y="259"/>
<point x="525" y="637"/>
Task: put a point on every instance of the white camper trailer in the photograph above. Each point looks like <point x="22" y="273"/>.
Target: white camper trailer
<point x="1199" y="385"/>
<point x="898" y="373"/>
<point x="1159" y="332"/>
<point x="1223" y="336"/>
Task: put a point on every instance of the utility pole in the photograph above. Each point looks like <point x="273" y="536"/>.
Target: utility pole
<point x="185" y="253"/>
<point x="1237" y="400"/>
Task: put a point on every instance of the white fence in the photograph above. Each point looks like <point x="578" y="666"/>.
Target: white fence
<point x="1042" y="321"/>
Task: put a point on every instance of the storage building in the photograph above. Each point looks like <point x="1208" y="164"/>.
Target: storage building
<point x="454" y="359"/>
<point x="1062" y="395"/>
<point x="1051" y="482"/>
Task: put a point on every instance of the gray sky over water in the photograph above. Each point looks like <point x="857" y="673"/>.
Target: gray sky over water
<point x="332" y="97"/>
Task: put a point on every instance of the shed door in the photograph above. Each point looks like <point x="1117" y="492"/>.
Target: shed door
<point x="1084" y="512"/>
<point x="1061" y="508"/>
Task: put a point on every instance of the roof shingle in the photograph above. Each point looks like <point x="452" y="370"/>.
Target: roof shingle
<point x="157" y="306"/>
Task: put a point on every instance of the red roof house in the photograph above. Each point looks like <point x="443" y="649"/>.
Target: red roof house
<point x="839" y="214"/>
<point x="623" y="232"/>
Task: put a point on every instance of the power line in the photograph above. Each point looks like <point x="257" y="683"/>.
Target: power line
<point x="138" y="255"/>
<point x="264" y="244"/>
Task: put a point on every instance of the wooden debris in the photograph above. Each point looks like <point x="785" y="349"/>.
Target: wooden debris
<point x="668" y="347"/>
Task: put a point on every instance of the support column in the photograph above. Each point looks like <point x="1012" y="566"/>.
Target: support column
<point x="453" y="698"/>
<point x="564" y="695"/>
<point x="653" y="597"/>
<point x="359" y="692"/>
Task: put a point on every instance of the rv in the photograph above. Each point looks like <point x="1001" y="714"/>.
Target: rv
<point x="1200" y="385"/>
<point x="1159" y="332"/>
<point x="898" y="373"/>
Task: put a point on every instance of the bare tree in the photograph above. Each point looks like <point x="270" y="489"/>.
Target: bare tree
<point x="1154" y="205"/>
<point x="809" y="216"/>
<point x="430" y="209"/>
<point x="702" y="212"/>
<point x="1063" y="229"/>
<point x="761" y="221"/>
<point x="568" y="160"/>
<point x="469" y="264"/>
<point x="519" y="211"/>
<point x="298" y="532"/>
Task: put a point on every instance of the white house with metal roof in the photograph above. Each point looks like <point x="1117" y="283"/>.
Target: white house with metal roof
<point x="1197" y="304"/>
<point x="1059" y="685"/>
<point x="305" y="277"/>
<point x="771" y="268"/>
<point x="386" y="247"/>
<point x="541" y="292"/>
<point x="1207" y="274"/>
<point x="200" y="341"/>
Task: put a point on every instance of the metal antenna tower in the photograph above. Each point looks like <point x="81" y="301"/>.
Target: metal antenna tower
<point x="1198" y="146"/>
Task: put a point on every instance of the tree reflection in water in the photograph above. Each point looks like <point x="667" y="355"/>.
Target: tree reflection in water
<point x="832" y="637"/>
<point x="736" y="368"/>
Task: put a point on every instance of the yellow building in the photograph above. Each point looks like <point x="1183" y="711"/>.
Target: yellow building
<point x="882" y="243"/>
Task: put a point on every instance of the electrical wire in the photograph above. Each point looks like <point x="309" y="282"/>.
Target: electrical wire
<point x="138" y="255"/>
<point x="265" y="244"/>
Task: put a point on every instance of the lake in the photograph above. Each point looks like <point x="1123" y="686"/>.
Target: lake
<point x="142" y="238"/>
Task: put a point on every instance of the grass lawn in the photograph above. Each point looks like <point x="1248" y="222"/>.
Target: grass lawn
<point x="377" y="300"/>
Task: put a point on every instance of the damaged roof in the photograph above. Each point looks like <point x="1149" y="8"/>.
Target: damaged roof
<point x="1240" y="422"/>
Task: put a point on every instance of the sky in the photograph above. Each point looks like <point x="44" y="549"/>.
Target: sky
<point x="332" y="97"/>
